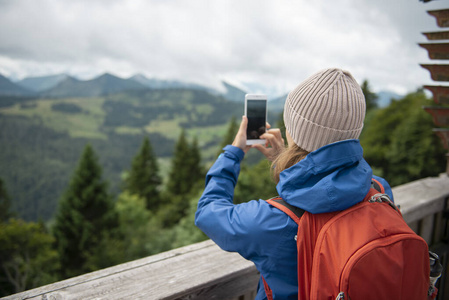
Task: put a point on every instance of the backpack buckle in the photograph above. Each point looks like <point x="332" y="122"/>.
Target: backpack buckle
<point x="379" y="198"/>
<point x="383" y="198"/>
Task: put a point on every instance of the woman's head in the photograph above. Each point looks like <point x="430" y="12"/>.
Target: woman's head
<point x="327" y="107"/>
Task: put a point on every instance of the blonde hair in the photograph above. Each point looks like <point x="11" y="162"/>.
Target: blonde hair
<point x="290" y="156"/>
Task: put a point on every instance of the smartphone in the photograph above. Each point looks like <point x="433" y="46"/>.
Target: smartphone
<point x="256" y="112"/>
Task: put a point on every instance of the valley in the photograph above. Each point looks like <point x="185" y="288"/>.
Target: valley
<point x="43" y="138"/>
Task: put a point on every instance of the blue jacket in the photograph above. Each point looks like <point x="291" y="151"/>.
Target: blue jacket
<point x="332" y="178"/>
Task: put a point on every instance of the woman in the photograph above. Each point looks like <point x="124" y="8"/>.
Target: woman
<point x="322" y="170"/>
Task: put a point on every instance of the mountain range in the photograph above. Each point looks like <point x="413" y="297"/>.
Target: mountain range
<point x="65" y="86"/>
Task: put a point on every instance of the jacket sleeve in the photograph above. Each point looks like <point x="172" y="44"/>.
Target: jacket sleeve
<point x="234" y="227"/>
<point x="221" y="179"/>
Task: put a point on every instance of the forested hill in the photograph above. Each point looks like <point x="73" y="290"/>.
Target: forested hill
<point x="42" y="139"/>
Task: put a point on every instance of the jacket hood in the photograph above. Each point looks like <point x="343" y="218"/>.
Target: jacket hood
<point x="331" y="178"/>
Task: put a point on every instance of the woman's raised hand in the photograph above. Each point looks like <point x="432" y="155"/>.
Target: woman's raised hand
<point x="274" y="143"/>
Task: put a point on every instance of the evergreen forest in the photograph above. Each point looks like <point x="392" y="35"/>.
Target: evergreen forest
<point x="87" y="183"/>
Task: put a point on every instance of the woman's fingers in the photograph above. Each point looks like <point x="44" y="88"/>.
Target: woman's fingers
<point x="274" y="144"/>
<point x="276" y="132"/>
<point x="274" y="138"/>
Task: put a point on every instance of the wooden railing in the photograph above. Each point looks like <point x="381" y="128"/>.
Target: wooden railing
<point x="203" y="271"/>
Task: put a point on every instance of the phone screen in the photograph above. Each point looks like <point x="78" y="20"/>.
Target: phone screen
<point x="256" y="112"/>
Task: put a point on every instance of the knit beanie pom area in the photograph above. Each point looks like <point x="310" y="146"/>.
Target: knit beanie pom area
<point x="326" y="108"/>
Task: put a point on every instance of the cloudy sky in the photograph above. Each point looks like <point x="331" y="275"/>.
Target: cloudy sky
<point x="271" y="45"/>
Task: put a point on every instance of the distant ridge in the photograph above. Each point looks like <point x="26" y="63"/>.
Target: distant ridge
<point x="105" y="84"/>
<point x="42" y="83"/>
<point x="233" y="93"/>
<point x="277" y="104"/>
<point x="9" y="88"/>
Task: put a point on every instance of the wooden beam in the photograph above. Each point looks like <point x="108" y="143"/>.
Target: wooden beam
<point x="441" y="15"/>
<point x="437" y="50"/>
<point x="198" y="271"/>
<point x="438" y="35"/>
<point x="443" y="133"/>
<point x="437" y="72"/>
<point x="440" y="93"/>
<point x="421" y="198"/>
<point x="439" y="114"/>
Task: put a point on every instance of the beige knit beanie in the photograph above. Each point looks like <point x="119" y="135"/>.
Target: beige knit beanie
<point x="327" y="107"/>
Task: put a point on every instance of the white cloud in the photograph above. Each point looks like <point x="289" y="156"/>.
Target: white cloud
<point x="276" y="43"/>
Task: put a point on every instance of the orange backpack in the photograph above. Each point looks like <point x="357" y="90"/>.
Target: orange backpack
<point x="364" y="252"/>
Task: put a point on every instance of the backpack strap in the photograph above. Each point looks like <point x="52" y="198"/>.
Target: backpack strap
<point x="377" y="186"/>
<point x="292" y="211"/>
<point x="267" y="289"/>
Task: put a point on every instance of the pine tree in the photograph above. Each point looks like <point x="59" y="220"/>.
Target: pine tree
<point x="179" y="181"/>
<point x="370" y="97"/>
<point x="185" y="175"/>
<point x="85" y="217"/>
<point x="143" y="178"/>
<point x="196" y="169"/>
<point x="5" y="203"/>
